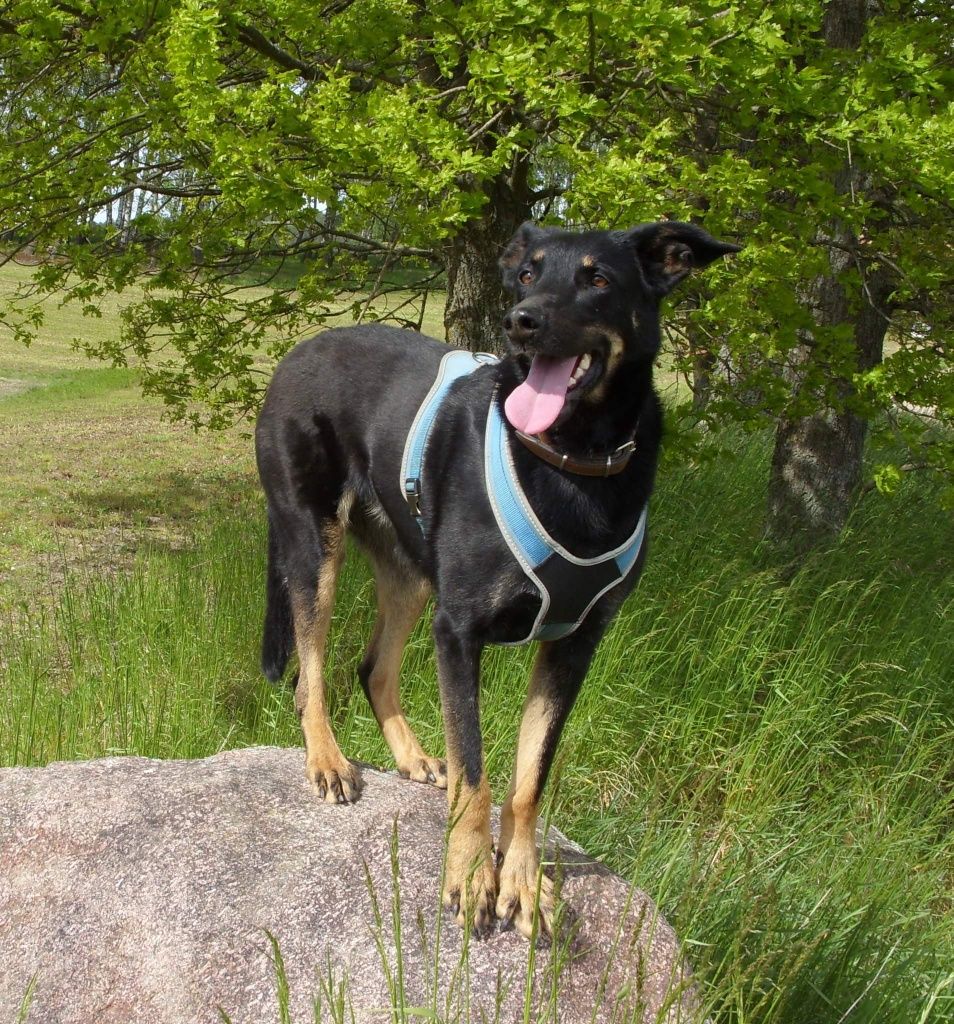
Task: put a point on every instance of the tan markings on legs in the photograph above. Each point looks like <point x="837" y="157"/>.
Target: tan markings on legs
<point x="400" y="603"/>
<point x="345" y="503"/>
<point x="520" y="866"/>
<point x="332" y="776"/>
<point x="470" y="883"/>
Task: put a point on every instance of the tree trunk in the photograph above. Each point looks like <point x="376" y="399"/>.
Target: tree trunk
<point x="141" y="194"/>
<point x="702" y="360"/>
<point x="476" y="301"/>
<point x="817" y="459"/>
<point x="703" y="367"/>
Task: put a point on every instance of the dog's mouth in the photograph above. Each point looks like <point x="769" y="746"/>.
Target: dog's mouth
<point x="536" y="404"/>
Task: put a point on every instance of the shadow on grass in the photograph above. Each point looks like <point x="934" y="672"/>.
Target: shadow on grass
<point x="174" y="501"/>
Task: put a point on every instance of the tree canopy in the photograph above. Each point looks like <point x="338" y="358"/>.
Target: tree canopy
<point x="367" y="137"/>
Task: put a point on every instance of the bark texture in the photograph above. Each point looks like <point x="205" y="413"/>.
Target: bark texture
<point x="817" y="459"/>
<point x="476" y="301"/>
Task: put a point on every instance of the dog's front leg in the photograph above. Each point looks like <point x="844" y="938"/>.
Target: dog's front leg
<point x="558" y="672"/>
<point x="470" y="885"/>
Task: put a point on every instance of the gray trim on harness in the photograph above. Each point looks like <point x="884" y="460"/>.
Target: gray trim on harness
<point x="568" y="586"/>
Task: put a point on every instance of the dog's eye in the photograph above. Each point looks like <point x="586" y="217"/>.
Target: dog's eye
<point x="525" y="276"/>
<point x="598" y="281"/>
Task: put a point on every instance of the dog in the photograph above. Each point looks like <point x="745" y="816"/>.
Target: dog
<point x="578" y="427"/>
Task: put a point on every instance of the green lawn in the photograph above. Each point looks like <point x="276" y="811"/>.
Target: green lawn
<point x="770" y="755"/>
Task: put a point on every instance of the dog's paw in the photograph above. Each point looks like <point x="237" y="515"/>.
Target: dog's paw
<point x="470" y="890"/>
<point x="426" y="769"/>
<point x="335" y="784"/>
<point x="519" y="873"/>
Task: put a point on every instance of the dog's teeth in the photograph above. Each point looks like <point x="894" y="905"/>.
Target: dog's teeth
<point x="581" y="367"/>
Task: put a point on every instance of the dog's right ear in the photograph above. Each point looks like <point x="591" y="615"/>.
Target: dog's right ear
<point x="516" y="253"/>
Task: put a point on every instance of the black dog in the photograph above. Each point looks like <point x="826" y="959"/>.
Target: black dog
<point x="581" y="423"/>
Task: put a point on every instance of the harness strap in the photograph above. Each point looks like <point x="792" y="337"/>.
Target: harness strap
<point x="569" y="586"/>
<point x="456" y="364"/>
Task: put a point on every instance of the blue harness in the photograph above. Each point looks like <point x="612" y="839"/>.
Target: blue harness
<point x="568" y="586"/>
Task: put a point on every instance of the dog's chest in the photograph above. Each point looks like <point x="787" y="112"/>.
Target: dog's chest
<point x="524" y="584"/>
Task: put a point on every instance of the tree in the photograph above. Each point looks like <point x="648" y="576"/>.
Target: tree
<point x="373" y="136"/>
<point x="817" y="458"/>
<point x="828" y="146"/>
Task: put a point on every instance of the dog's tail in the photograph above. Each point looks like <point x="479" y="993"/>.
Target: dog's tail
<point x="278" y="634"/>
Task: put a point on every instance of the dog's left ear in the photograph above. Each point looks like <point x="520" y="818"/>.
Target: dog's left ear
<point x="516" y="252"/>
<point x="670" y="249"/>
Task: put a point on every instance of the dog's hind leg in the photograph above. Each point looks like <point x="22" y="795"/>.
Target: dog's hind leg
<point x="401" y="599"/>
<point x="312" y="592"/>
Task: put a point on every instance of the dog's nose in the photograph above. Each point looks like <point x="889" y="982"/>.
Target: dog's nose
<point x="521" y="325"/>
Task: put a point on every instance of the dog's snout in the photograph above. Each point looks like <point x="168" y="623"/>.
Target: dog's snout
<point x="522" y="324"/>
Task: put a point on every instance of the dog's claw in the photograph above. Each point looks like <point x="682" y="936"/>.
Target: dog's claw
<point x="520" y="904"/>
<point x="341" y="786"/>
<point x="506" y="918"/>
<point x="425" y="769"/>
<point x="471" y="895"/>
<point x="453" y="902"/>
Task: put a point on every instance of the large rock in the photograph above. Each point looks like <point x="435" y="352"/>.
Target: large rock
<point x="134" y="890"/>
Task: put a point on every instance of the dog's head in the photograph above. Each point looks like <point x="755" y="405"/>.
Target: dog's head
<point x="586" y="303"/>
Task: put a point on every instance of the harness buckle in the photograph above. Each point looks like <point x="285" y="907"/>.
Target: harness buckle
<point x="412" y="495"/>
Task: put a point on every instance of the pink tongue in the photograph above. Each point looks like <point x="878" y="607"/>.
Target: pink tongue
<point x="537" y="402"/>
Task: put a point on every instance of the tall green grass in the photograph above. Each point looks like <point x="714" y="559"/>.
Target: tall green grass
<point x="770" y="754"/>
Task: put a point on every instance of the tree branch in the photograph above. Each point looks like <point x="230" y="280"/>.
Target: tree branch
<point x="255" y="40"/>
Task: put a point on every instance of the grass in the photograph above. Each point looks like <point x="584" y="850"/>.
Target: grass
<point x="72" y="480"/>
<point x="770" y="755"/>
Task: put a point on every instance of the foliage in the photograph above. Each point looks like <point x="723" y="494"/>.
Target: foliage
<point x="368" y="134"/>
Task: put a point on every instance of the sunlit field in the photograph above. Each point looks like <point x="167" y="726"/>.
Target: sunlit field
<point x="767" y="750"/>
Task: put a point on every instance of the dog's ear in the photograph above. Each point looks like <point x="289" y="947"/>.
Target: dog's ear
<point x="670" y="249"/>
<point x="516" y="252"/>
